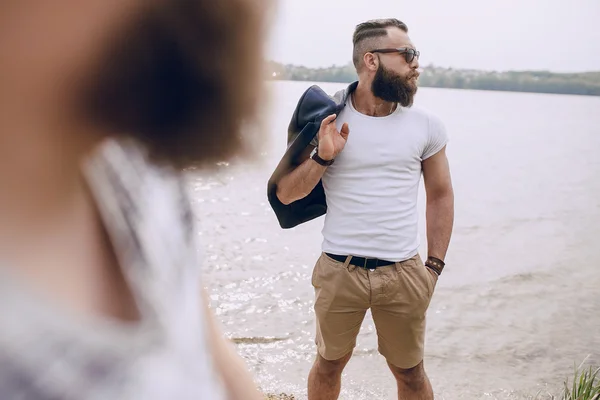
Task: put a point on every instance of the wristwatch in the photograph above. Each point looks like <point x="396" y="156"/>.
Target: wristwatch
<point x="315" y="156"/>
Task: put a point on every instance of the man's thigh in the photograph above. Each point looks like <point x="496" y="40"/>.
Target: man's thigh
<point x="401" y="297"/>
<point x="341" y="302"/>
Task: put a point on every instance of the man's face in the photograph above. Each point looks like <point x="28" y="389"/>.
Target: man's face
<point x="393" y="87"/>
<point x="396" y="79"/>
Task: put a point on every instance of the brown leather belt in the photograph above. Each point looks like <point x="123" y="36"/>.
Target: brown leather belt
<point x="366" y="263"/>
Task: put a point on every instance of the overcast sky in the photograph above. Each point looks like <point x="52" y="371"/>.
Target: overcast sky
<point x="481" y="34"/>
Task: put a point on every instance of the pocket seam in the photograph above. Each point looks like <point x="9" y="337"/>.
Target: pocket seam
<point x="430" y="285"/>
<point x="314" y="274"/>
<point x="335" y="263"/>
<point x="432" y="278"/>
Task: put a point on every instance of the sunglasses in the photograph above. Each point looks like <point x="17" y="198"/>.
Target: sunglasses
<point x="409" y="53"/>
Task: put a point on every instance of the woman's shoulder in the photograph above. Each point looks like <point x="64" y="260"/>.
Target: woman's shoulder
<point x="143" y="205"/>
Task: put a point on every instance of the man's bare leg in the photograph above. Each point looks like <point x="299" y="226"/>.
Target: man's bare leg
<point x="325" y="378"/>
<point x="413" y="383"/>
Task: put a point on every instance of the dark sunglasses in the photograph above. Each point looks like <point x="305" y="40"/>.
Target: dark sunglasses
<point x="409" y="53"/>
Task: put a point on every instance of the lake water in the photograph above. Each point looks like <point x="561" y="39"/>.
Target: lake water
<point x="519" y="301"/>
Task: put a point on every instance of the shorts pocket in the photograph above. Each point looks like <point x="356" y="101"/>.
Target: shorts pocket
<point x="434" y="278"/>
<point x="317" y="271"/>
<point x="314" y="273"/>
<point x="323" y="267"/>
<point x="430" y="275"/>
<point x="325" y="258"/>
<point x="415" y="287"/>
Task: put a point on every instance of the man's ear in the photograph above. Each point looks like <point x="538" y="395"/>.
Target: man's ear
<point x="371" y="61"/>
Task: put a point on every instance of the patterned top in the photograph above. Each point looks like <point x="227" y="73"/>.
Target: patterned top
<point x="47" y="354"/>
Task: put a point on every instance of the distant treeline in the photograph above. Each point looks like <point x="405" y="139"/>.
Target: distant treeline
<point x="585" y="83"/>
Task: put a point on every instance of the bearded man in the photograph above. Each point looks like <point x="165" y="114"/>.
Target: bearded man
<point x="369" y="159"/>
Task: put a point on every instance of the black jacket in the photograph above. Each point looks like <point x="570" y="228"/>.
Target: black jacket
<point x="314" y="105"/>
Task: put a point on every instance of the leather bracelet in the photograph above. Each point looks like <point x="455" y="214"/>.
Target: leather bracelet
<point x="435" y="264"/>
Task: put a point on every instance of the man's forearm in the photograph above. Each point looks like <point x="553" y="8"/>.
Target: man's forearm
<point x="440" y="220"/>
<point x="300" y="182"/>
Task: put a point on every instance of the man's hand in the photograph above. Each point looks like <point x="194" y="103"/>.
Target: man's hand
<point x="301" y="181"/>
<point x="331" y="142"/>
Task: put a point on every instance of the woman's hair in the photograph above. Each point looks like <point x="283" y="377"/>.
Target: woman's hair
<point x="183" y="77"/>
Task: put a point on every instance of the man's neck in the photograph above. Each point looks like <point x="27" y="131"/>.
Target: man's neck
<point x="366" y="103"/>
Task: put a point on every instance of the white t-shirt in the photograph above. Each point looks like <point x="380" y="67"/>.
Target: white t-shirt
<point x="372" y="186"/>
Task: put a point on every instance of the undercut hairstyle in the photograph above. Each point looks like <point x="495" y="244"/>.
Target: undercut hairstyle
<point x="367" y="36"/>
<point x="184" y="78"/>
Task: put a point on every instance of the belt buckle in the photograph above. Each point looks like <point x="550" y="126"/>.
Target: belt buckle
<point x="365" y="265"/>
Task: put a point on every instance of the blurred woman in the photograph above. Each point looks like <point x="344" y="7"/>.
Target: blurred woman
<point x="102" y="104"/>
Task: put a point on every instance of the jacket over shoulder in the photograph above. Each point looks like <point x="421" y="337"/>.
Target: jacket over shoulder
<point x="314" y="106"/>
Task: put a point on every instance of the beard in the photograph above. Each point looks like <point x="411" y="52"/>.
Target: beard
<point x="394" y="88"/>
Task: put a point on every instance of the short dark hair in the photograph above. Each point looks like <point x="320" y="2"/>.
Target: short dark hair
<point x="182" y="77"/>
<point x="369" y="30"/>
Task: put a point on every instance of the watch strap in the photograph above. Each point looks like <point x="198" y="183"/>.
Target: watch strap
<point x="315" y="156"/>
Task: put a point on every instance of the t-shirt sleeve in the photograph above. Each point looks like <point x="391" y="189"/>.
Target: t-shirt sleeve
<point x="437" y="137"/>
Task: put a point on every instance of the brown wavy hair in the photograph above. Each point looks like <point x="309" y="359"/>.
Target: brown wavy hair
<point x="184" y="77"/>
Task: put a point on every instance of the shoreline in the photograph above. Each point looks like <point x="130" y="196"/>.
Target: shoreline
<point x="545" y="82"/>
<point x="451" y="88"/>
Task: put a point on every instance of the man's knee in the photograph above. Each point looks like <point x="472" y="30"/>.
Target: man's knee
<point x="331" y="367"/>
<point x="412" y="377"/>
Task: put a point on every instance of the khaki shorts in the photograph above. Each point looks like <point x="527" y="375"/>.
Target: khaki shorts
<point x="398" y="296"/>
